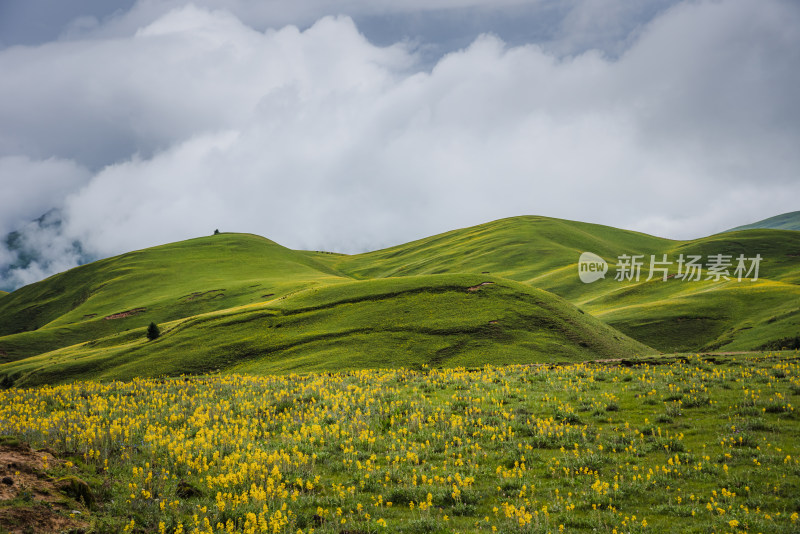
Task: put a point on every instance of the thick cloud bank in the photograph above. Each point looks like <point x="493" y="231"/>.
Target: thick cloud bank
<point x="318" y="139"/>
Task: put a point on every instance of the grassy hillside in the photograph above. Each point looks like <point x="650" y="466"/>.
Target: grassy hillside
<point x="670" y="315"/>
<point x="785" y="221"/>
<point x="681" y="315"/>
<point x="450" y="320"/>
<point x="157" y="284"/>
<point x="527" y="249"/>
<point x="236" y="301"/>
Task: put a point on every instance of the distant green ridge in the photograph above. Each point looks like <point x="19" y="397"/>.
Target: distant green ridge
<point x="785" y="221"/>
<point x="669" y="316"/>
<point x="501" y="292"/>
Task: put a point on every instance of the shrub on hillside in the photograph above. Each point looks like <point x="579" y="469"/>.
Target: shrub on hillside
<point x="153" y="332"/>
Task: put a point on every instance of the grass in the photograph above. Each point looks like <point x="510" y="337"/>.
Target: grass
<point x="435" y="320"/>
<point x="689" y="444"/>
<point x="165" y="283"/>
<point x="669" y="316"/>
<point x="237" y="301"/>
<point x="729" y="315"/>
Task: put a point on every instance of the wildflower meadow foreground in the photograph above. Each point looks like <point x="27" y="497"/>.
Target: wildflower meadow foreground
<point x="688" y="446"/>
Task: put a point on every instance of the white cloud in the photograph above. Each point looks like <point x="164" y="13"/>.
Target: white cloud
<point x="319" y="139"/>
<point x="29" y="187"/>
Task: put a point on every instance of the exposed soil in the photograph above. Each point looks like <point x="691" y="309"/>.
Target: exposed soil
<point x="124" y="314"/>
<point x="38" y="519"/>
<point x="30" y="502"/>
<point x="475" y="288"/>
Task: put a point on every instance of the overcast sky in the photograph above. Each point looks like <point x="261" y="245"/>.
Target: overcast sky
<point x="356" y="125"/>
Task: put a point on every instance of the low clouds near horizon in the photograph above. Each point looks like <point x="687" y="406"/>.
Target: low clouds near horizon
<point x="159" y="125"/>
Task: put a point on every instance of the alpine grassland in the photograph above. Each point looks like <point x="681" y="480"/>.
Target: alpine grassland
<point x="465" y="382"/>
<point x="668" y="315"/>
<point x="159" y="284"/>
<point x="503" y="292"/>
<point x="438" y="320"/>
<point x="692" y="444"/>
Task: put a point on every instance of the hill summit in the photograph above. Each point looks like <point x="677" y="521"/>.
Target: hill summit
<point x="501" y="292"/>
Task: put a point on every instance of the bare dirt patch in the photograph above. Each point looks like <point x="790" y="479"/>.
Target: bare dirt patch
<point x="38" y="519"/>
<point x="30" y="500"/>
<point x="476" y="288"/>
<point x="122" y="315"/>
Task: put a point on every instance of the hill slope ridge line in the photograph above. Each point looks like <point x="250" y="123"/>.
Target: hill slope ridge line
<point x="530" y="261"/>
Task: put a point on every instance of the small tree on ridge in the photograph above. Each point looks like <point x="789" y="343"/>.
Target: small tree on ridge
<point x="153" y="332"/>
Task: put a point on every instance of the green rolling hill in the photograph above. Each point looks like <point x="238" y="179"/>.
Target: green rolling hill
<point x="538" y="251"/>
<point x="158" y="284"/>
<point x="501" y="292"/>
<point x="785" y="221"/>
<point x="434" y="320"/>
<point x="708" y="315"/>
<point x="670" y="315"/>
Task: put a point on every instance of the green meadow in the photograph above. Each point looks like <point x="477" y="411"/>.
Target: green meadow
<point x="502" y="292"/>
<point x="465" y="382"/>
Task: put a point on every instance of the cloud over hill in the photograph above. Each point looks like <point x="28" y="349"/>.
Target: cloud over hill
<point x="158" y="125"/>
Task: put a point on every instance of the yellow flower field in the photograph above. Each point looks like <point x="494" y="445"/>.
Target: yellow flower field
<point x="692" y="446"/>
